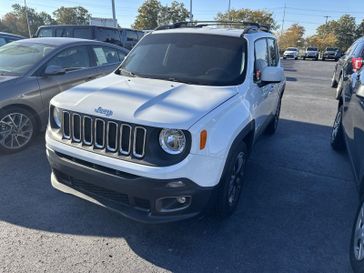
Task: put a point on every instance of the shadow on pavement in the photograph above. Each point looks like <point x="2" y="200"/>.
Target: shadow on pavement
<point x="295" y="213"/>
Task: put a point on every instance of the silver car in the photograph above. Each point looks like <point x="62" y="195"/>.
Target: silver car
<point x="32" y="71"/>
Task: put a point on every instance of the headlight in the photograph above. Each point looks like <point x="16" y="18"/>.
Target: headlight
<point x="57" y="117"/>
<point x="172" y="141"/>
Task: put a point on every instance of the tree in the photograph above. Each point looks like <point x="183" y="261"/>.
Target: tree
<point x="345" y="31"/>
<point x="148" y="15"/>
<point x="176" y="12"/>
<point x="360" y="30"/>
<point x="292" y="37"/>
<point x="257" y="16"/>
<point x="73" y="16"/>
<point x="152" y="13"/>
<point x="322" y="41"/>
<point x="15" y="21"/>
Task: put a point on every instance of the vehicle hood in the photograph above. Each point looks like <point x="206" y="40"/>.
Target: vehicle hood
<point x="290" y="52"/>
<point x="7" y="80"/>
<point x="144" y="101"/>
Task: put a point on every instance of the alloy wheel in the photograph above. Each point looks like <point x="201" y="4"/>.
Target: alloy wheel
<point x="359" y="235"/>
<point x="336" y="126"/>
<point x="235" y="182"/>
<point x="16" y="130"/>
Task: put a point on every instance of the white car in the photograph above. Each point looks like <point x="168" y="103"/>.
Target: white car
<point x="291" y="53"/>
<point x="169" y="132"/>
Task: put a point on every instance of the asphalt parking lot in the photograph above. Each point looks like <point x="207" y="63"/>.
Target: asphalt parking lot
<point x="295" y="214"/>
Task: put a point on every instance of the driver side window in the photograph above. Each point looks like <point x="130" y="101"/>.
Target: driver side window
<point x="72" y="58"/>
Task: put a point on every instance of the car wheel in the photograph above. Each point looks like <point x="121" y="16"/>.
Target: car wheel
<point x="337" y="133"/>
<point x="296" y="58"/>
<point x="339" y="87"/>
<point x="333" y="81"/>
<point x="17" y="129"/>
<point x="232" y="181"/>
<point x="357" y="241"/>
<point x="272" y="126"/>
<point x="323" y="59"/>
<point x="284" y="58"/>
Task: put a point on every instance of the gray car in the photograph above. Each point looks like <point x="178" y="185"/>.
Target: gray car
<point x="32" y="71"/>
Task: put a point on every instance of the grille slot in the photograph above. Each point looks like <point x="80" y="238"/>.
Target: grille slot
<point x="99" y="133"/>
<point x="66" y="125"/>
<point x="76" y="127"/>
<point x="104" y="136"/>
<point x="125" y="139"/>
<point x="140" y="135"/>
<point x="87" y="130"/>
<point x="112" y="136"/>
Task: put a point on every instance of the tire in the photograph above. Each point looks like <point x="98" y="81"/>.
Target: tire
<point x="296" y="58"/>
<point x="337" y="133"/>
<point x="304" y="58"/>
<point x="232" y="181"/>
<point x="17" y="129"/>
<point x="357" y="241"/>
<point x="333" y="81"/>
<point x="339" y="87"/>
<point x="284" y="58"/>
<point x="323" y="59"/>
<point x="273" y="124"/>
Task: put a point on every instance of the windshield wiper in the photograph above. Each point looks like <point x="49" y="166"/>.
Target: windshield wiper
<point x="128" y="73"/>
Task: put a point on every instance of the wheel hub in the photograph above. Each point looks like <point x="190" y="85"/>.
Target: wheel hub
<point x="16" y="130"/>
<point x="359" y="235"/>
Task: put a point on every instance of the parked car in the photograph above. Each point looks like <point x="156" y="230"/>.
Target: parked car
<point x="347" y="64"/>
<point x="171" y="129"/>
<point x="331" y="53"/>
<point x="348" y="132"/>
<point x="123" y="37"/>
<point x="8" y="38"/>
<point x="32" y="71"/>
<point x="291" y="52"/>
<point x="311" y="53"/>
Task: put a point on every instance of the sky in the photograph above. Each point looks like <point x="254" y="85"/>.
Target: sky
<point x="309" y="13"/>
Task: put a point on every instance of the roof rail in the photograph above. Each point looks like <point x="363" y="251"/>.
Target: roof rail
<point x="247" y="26"/>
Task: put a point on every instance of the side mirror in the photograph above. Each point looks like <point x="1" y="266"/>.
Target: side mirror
<point x="272" y="74"/>
<point x="53" y="70"/>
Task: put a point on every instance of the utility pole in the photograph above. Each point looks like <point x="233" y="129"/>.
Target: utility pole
<point x="284" y="17"/>
<point x="327" y="18"/>
<point x="113" y="12"/>
<point x="27" y="17"/>
<point x="191" y="14"/>
<point x="229" y="9"/>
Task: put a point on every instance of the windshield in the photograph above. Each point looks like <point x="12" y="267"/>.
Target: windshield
<point x="18" y="58"/>
<point x="331" y="49"/>
<point x="312" y="49"/>
<point x="292" y="49"/>
<point x="189" y="58"/>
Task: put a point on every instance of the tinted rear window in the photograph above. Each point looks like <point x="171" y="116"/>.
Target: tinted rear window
<point x="331" y="49"/>
<point x="45" y="32"/>
<point x="312" y="48"/>
<point x="84" y="33"/>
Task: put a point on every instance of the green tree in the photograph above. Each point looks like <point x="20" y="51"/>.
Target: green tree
<point x="15" y="20"/>
<point x="152" y="13"/>
<point x="74" y="16"/>
<point x="360" y="30"/>
<point x="176" y="12"/>
<point x="345" y="31"/>
<point x="148" y="15"/>
<point x="292" y="37"/>
<point x="257" y="16"/>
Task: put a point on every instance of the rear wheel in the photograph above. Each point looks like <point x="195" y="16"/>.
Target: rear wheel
<point x="337" y="133"/>
<point x="323" y="59"/>
<point x="357" y="241"/>
<point x="17" y="129"/>
<point x="232" y="181"/>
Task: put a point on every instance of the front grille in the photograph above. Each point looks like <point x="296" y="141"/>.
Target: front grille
<point x="104" y="135"/>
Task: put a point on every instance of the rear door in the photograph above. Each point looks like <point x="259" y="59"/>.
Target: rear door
<point x="79" y="69"/>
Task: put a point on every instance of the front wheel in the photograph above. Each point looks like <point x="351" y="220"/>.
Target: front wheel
<point x="337" y="133"/>
<point x="17" y="129"/>
<point x="357" y="241"/>
<point x="232" y="181"/>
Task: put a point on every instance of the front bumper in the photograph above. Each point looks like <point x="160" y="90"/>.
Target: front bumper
<point x="139" y="198"/>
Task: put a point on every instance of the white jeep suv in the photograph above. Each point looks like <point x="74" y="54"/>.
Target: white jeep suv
<point x="169" y="132"/>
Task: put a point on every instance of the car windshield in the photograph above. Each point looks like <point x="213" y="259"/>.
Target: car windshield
<point x="189" y="58"/>
<point x="292" y="49"/>
<point x="331" y="49"/>
<point x="18" y="58"/>
<point x="312" y="49"/>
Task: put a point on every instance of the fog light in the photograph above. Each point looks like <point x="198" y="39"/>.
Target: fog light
<point x="175" y="184"/>
<point x="181" y="199"/>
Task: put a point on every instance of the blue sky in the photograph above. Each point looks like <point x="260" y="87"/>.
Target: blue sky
<point x="309" y="13"/>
